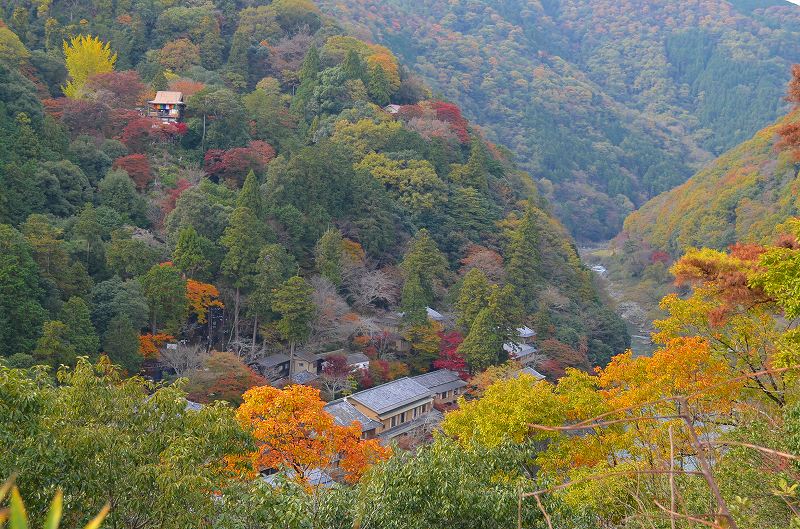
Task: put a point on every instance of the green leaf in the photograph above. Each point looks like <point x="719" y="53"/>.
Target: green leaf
<point x="54" y="514"/>
<point x="19" y="520"/>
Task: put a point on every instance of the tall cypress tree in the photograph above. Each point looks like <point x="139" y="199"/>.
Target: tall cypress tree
<point x="188" y="255"/>
<point x="378" y="87"/>
<point x="353" y="67"/>
<point x="80" y="331"/>
<point x="472" y="298"/>
<point x="523" y="257"/>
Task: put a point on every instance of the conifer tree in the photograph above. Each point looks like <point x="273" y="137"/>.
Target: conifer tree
<point x="308" y="80"/>
<point x="274" y="266"/>
<point x="328" y="256"/>
<point x="243" y="241"/>
<point x="522" y="258"/>
<point x="250" y="196"/>
<point x="414" y="300"/>
<point x="353" y="67"/>
<point x="165" y="291"/>
<point x="121" y="344"/>
<point x="238" y="56"/>
<point x="54" y="347"/>
<point x="472" y="298"/>
<point x="211" y="44"/>
<point x="80" y="331"/>
<point x="423" y="263"/>
<point x="475" y="173"/>
<point x="379" y="87"/>
<point x="293" y="302"/>
<point x="188" y="255"/>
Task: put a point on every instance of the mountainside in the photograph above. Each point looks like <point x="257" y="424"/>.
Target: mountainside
<point x="279" y="170"/>
<point x="606" y="103"/>
<point x="740" y="197"/>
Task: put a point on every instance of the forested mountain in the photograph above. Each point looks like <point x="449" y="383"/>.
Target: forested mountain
<point x="285" y="206"/>
<point x="741" y="197"/>
<point x="606" y="103"/>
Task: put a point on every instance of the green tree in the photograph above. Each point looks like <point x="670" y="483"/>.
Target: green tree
<point x="493" y="326"/>
<point x="293" y="302"/>
<point x="422" y="265"/>
<point x="275" y="265"/>
<point x="188" y="256"/>
<point x="522" y="258"/>
<point x="118" y="192"/>
<point x="129" y="257"/>
<point x="379" y="87"/>
<point x="243" y="241"/>
<point x="475" y="172"/>
<point x="113" y="297"/>
<point x="250" y="196"/>
<point x="472" y="298"/>
<point x="54" y="347"/>
<point x="121" y="344"/>
<point x="81" y="334"/>
<point x="21" y="312"/>
<point x="238" y="62"/>
<point x="165" y="291"/>
<point x="328" y="255"/>
<point x="103" y="437"/>
<point x="353" y="66"/>
<point x="308" y="81"/>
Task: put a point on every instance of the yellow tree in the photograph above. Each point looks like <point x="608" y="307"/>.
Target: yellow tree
<point x="85" y="56"/>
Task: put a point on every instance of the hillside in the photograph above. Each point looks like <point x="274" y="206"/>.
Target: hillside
<point x="740" y="197"/>
<point x="277" y="207"/>
<point x="606" y="103"/>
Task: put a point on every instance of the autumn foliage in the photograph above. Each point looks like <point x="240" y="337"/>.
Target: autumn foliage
<point x="149" y="344"/>
<point x="294" y="432"/>
<point x="232" y="165"/>
<point x="138" y="168"/>
<point x="202" y="297"/>
<point x="223" y="376"/>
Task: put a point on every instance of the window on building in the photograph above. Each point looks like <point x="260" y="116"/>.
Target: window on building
<point x="394" y="421"/>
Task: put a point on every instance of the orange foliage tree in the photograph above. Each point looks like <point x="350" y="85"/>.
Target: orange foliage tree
<point x="201" y="297"/>
<point x="149" y="344"/>
<point x="294" y="432"/>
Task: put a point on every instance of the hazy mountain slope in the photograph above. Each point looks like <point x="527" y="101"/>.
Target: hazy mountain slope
<point x="740" y="197"/>
<point x="611" y="102"/>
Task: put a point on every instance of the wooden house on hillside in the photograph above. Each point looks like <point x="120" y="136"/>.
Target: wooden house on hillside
<point x="167" y="106"/>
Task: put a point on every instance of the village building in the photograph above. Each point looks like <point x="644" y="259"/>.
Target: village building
<point x="445" y="384"/>
<point x="530" y="371"/>
<point x="401" y="407"/>
<point x="167" y="106"/>
<point x="345" y="414"/>
<point x="523" y="353"/>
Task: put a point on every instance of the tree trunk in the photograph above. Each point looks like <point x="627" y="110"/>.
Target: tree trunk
<point x="291" y="359"/>
<point x="255" y="328"/>
<point x="236" y="317"/>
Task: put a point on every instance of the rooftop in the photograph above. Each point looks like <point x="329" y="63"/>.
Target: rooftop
<point x="519" y="350"/>
<point x="168" y="98"/>
<point x="391" y="395"/>
<point x="525" y="332"/>
<point x="345" y="414"/>
<point x="357" y="358"/>
<point x="272" y="361"/>
<point x="440" y="380"/>
<point x="532" y="372"/>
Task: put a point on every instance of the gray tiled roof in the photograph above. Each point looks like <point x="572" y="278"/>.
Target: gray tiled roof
<point x="344" y="414"/>
<point x="531" y="371"/>
<point x="356" y="358"/>
<point x="440" y="380"/>
<point x="303" y="377"/>
<point x="519" y="350"/>
<point x="272" y="361"/>
<point x="391" y="395"/>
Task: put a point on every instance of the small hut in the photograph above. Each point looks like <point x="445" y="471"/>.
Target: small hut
<point x="167" y="106"/>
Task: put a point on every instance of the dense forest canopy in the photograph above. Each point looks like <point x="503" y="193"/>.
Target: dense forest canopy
<point x="607" y="104"/>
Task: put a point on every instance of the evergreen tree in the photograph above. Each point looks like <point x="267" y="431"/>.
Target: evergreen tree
<point x="308" y="81"/>
<point x="250" y="196"/>
<point x="481" y="348"/>
<point x="243" y="241"/>
<point x="81" y="334"/>
<point x="274" y="266"/>
<point x="422" y="264"/>
<point x="121" y="344"/>
<point x="188" y="255"/>
<point x="414" y="300"/>
<point x="522" y="259"/>
<point x="475" y="173"/>
<point x="378" y="87"/>
<point x="21" y="312"/>
<point x="54" y="347"/>
<point x="211" y="43"/>
<point x="165" y="291"/>
<point x="159" y="81"/>
<point x="328" y="256"/>
<point x="472" y="298"/>
<point x="294" y="303"/>
<point x="353" y="67"/>
<point x="238" y="62"/>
